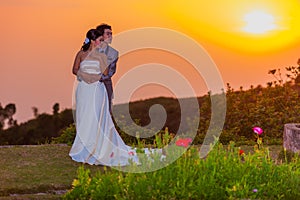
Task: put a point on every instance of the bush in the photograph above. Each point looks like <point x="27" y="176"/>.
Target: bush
<point x="67" y="135"/>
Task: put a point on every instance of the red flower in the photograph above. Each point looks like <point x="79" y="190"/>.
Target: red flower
<point x="241" y="152"/>
<point x="131" y="153"/>
<point x="184" y="142"/>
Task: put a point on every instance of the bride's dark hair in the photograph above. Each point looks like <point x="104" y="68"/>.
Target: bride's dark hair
<point x="92" y="34"/>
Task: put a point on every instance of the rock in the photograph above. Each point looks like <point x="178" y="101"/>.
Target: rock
<point x="291" y="137"/>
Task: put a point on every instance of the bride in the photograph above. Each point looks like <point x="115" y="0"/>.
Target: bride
<point x="97" y="140"/>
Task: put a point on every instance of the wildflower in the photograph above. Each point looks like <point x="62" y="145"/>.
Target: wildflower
<point x="257" y="130"/>
<point x="234" y="188"/>
<point x="241" y="152"/>
<point x="254" y="190"/>
<point x="131" y="153"/>
<point x="75" y="183"/>
<point x="184" y="142"/>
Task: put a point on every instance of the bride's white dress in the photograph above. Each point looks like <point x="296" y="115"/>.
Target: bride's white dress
<point x="97" y="140"/>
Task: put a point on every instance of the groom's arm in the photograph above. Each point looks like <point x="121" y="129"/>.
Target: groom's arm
<point x="111" y="70"/>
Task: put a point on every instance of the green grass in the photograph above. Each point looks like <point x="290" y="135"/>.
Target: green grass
<point x="47" y="169"/>
<point x="223" y="174"/>
<point x="27" y="170"/>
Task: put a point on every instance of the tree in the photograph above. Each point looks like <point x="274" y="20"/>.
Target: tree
<point x="7" y="114"/>
<point x="35" y="111"/>
<point x="55" y="108"/>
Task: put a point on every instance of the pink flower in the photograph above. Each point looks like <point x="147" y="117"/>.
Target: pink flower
<point x="184" y="142"/>
<point x="257" y="130"/>
<point x="131" y="153"/>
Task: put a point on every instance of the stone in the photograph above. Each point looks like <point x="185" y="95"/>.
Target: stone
<point x="291" y="137"/>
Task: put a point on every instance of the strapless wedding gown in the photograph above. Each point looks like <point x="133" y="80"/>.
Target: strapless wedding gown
<point x="97" y="140"/>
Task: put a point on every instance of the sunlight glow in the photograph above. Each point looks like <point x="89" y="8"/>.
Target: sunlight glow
<point x="259" y="22"/>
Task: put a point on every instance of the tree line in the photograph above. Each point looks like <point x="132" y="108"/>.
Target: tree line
<point x="39" y="130"/>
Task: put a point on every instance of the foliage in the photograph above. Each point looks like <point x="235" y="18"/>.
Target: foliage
<point x="139" y="112"/>
<point x="226" y="173"/>
<point x="66" y="136"/>
<point x="40" y="130"/>
<point x="7" y="113"/>
<point x="55" y="108"/>
<point x="269" y="107"/>
<point x="287" y="156"/>
<point x="35" y="111"/>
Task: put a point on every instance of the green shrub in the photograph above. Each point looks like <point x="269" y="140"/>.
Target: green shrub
<point x="67" y="135"/>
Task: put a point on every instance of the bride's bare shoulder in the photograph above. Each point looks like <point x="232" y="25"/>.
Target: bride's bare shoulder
<point x="81" y="54"/>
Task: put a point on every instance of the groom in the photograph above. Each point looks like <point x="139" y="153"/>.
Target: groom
<point x="112" y="58"/>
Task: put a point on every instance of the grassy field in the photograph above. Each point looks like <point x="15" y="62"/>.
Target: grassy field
<point x="45" y="171"/>
<point x="37" y="171"/>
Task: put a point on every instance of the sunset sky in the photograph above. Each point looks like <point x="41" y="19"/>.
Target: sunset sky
<point x="40" y="38"/>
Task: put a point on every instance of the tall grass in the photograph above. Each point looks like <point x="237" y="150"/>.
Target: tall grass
<point x="225" y="173"/>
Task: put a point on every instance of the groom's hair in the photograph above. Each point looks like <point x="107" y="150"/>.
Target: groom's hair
<point x="102" y="27"/>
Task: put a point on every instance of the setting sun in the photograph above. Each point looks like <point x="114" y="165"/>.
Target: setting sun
<point x="259" y="22"/>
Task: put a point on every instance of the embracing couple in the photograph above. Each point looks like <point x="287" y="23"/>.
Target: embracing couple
<point x="97" y="140"/>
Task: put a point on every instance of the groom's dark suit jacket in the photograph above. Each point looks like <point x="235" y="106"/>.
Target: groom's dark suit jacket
<point x="112" y="58"/>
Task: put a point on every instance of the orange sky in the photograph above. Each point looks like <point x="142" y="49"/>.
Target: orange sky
<point x="39" y="40"/>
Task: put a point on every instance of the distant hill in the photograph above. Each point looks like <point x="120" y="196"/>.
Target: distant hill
<point x="270" y="108"/>
<point x="45" y="126"/>
<point x="171" y="113"/>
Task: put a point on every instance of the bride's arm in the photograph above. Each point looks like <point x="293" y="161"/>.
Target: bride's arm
<point x="76" y="68"/>
<point x="76" y="64"/>
<point x="88" y="78"/>
<point x="94" y="77"/>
